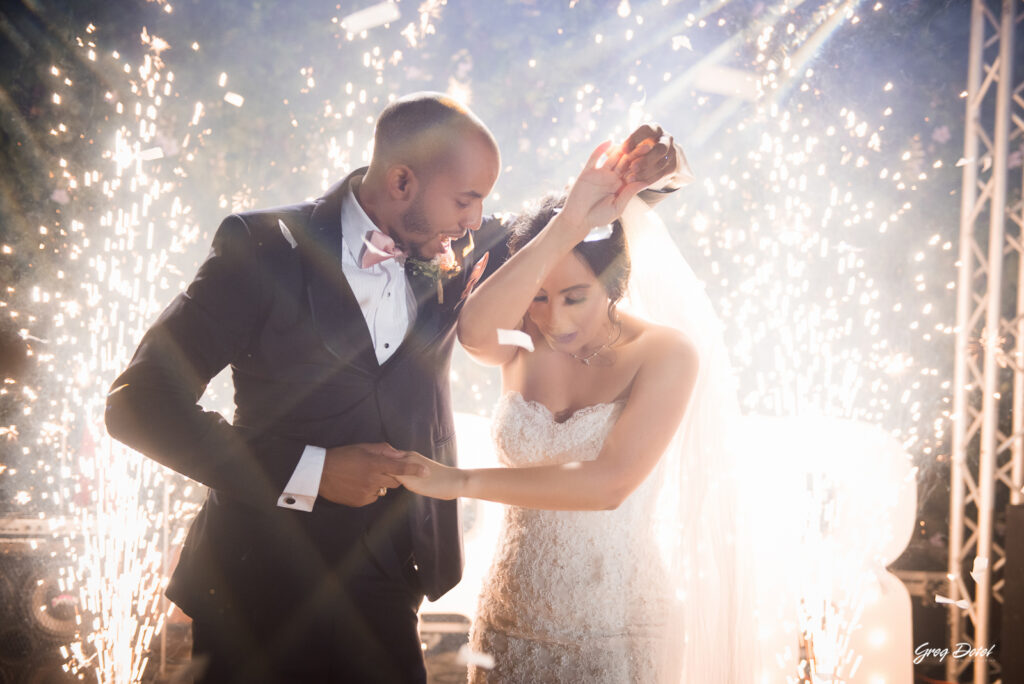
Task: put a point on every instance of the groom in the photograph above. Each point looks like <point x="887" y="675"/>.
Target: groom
<point x="338" y="329"/>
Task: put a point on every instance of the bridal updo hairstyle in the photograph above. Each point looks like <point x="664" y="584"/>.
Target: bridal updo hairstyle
<point x="608" y="259"/>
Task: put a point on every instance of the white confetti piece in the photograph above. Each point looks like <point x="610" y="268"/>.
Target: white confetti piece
<point x="515" y="338"/>
<point x="151" y="154"/>
<point x="847" y="247"/>
<point x="722" y="80"/>
<point x="962" y="603"/>
<point x="467" y="656"/>
<point x="599" y="233"/>
<point x="234" y="99"/>
<point x="681" y="42"/>
<point x="980" y="565"/>
<point x="372" y="16"/>
<point x="287" y="234"/>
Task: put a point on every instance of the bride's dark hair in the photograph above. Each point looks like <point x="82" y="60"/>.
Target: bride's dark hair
<point x="608" y="258"/>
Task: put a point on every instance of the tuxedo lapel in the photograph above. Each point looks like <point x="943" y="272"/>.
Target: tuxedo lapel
<point x="335" y="310"/>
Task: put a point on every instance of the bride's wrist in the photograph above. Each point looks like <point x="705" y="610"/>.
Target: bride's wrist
<point x="465" y="483"/>
<point x="567" y="229"/>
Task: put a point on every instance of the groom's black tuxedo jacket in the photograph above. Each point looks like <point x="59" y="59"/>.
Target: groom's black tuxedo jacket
<point x="271" y="300"/>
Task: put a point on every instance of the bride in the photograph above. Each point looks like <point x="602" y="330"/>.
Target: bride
<point x="617" y="561"/>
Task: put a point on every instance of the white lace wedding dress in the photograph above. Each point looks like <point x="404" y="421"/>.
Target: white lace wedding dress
<point x="571" y="596"/>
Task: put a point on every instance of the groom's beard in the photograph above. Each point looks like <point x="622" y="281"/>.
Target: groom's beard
<point x="416" y="225"/>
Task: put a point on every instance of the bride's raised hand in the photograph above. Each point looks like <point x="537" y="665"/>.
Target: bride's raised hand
<point x="599" y="195"/>
<point x="440" y="481"/>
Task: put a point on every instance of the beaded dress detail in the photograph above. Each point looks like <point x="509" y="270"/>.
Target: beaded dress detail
<point x="571" y="596"/>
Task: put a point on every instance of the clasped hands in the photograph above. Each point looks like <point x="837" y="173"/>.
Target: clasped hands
<point x="601" y="191"/>
<point x="354" y="474"/>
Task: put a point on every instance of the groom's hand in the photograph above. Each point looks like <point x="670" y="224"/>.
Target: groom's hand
<point x="651" y="156"/>
<point x="353" y="474"/>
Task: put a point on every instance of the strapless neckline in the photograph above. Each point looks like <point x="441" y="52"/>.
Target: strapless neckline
<point x="586" y="410"/>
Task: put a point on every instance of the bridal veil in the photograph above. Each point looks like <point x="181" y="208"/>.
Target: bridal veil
<point x="701" y="523"/>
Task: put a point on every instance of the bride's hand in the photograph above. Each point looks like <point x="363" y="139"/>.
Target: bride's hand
<point x="599" y="195"/>
<point x="650" y="155"/>
<point x="440" y="482"/>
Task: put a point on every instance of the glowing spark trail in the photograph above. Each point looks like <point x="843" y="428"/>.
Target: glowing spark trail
<point x="812" y="223"/>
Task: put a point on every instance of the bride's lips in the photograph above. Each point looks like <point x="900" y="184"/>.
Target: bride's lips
<point x="564" y="339"/>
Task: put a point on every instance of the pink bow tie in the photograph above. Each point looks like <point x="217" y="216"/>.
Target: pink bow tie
<point x="379" y="247"/>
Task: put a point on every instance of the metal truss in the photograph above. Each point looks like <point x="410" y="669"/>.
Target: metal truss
<point x="988" y="400"/>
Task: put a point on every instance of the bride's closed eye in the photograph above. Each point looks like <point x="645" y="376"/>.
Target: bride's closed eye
<point x="568" y="300"/>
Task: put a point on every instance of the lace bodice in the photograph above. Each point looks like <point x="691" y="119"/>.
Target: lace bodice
<point x="571" y="595"/>
<point x="526" y="433"/>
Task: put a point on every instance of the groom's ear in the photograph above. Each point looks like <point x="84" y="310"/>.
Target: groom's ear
<point x="401" y="182"/>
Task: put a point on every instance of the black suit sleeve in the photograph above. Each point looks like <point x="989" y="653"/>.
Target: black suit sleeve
<point x="652" y="197"/>
<point x="153" y="406"/>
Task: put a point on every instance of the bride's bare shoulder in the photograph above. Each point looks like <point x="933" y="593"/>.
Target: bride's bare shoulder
<point x="660" y="344"/>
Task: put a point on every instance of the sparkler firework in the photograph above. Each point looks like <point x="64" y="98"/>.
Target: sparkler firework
<point x="816" y="222"/>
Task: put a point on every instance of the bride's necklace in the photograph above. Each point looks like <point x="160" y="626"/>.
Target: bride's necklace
<point x="585" y="360"/>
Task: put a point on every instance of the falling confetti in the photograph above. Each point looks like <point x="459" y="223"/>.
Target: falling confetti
<point x="963" y="604"/>
<point x="467" y="656"/>
<point x="288" y="234"/>
<point x="515" y="338"/>
<point x="816" y="222"/>
<point x="371" y="17"/>
<point x="234" y="99"/>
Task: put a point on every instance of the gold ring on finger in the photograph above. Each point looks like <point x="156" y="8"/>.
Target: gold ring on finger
<point x="381" y="491"/>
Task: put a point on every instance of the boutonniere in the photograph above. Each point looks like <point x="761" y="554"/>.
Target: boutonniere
<point x="440" y="269"/>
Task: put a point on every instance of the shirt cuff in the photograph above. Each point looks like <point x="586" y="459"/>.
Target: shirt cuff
<point x="301" y="491"/>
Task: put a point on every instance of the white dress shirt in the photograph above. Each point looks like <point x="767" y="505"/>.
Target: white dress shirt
<point x="389" y="307"/>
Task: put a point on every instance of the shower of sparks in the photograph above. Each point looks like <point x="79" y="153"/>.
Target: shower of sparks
<point x="832" y="593"/>
<point x="120" y="260"/>
<point x="120" y="568"/>
<point x="793" y="223"/>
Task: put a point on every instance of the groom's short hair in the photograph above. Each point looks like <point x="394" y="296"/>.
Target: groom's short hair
<point x="418" y="130"/>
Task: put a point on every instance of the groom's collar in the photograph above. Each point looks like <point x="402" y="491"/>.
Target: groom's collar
<point x="356" y="224"/>
<point x="327" y="211"/>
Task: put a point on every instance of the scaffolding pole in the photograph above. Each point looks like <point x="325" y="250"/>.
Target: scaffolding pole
<point x="985" y="459"/>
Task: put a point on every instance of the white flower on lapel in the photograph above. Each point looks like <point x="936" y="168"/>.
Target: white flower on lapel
<point x="441" y="268"/>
